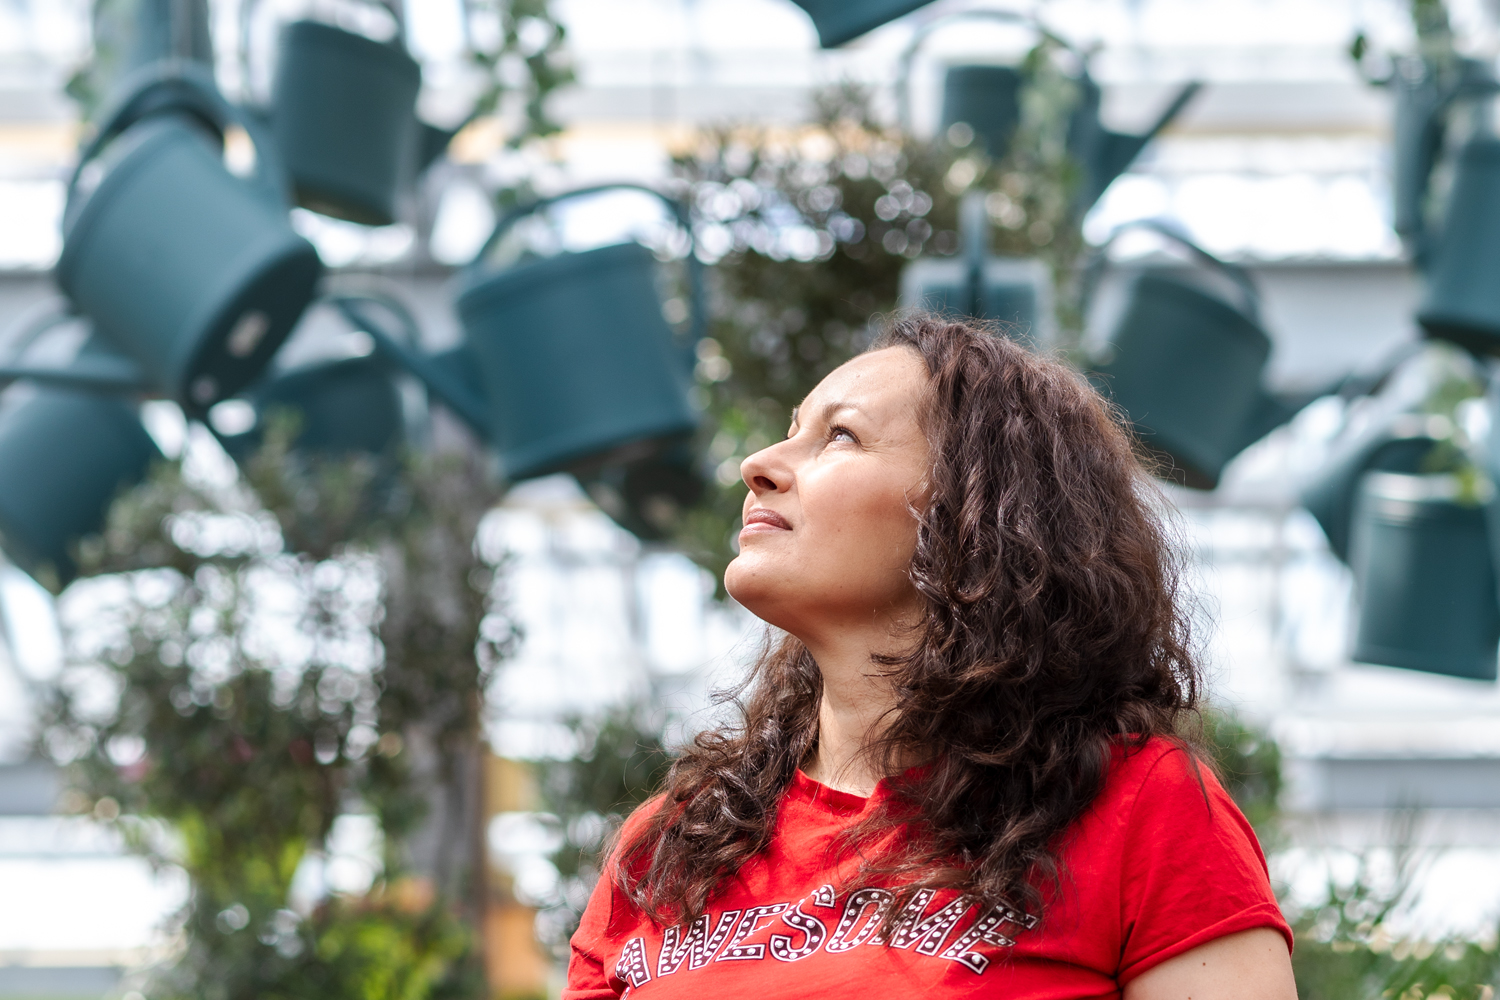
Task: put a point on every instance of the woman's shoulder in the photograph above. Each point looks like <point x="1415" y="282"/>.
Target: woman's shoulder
<point x="1158" y="764"/>
<point x="635" y="825"/>
<point x="1162" y="782"/>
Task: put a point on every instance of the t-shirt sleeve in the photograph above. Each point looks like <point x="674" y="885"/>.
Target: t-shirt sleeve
<point x="587" y="978"/>
<point x="1192" y="869"/>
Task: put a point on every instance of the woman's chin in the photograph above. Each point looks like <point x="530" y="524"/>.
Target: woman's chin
<point x="753" y="584"/>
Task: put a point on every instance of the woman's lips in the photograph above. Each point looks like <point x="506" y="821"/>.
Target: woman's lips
<point x="763" y="519"/>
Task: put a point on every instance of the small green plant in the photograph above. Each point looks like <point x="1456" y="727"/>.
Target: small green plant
<point x="620" y="762"/>
<point x="1347" y="949"/>
<point x="250" y="658"/>
<point x="1249" y="764"/>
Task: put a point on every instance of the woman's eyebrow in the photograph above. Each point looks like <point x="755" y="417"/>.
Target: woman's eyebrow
<point x="834" y="406"/>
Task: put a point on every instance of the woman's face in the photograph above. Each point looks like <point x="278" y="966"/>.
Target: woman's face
<point x="829" y="530"/>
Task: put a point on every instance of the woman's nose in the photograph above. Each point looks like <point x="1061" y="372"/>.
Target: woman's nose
<point x="766" y="471"/>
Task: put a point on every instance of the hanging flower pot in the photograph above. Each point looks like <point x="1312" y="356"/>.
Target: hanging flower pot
<point x="1421" y="558"/>
<point x="192" y="272"/>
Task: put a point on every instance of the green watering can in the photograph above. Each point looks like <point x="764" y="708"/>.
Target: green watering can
<point x="351" y="405"/>
<point x="576" y="360"/>
<point x="988" y="99"/>
<point x="1015" y="292"/>
<point x="1186" y="366"/>
<point x="65" y="454"/>
<point x="343" y="407"/>
<point x="1462" y="299"/>
<point x="1424" y="92"/>
<point x="1462" y="302"/>
<point x="840" y="21"/>
<point x="985" y="97"/>
<point x="1399" y="445"/>
<point x="1422" y="565"/>
<point x="193" y="274"/>
<point x="343" y="111"/>
<point x="645" y="494"/>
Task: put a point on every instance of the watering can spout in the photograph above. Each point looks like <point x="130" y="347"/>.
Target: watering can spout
<point x="432" y="142"/>
<point x="1106" y="155"/>
<point x="96" y="368"/>
<point x="455" y="392"/>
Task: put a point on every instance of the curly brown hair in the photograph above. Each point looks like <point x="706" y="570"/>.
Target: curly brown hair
<point x="1051" y="635"/>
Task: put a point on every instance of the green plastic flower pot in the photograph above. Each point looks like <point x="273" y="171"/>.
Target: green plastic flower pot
<point x="192" y="272"/>
<point x="987" y="99"/>
<point x="1401" y="446"/>
<point x="343" y="109"/>
<point x="1426" y="581"/>
<point x="64" y="457"/>
<point x="1462" y="302"/>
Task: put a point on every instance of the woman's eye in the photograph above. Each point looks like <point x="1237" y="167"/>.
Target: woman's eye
<point x="841" y="434"/>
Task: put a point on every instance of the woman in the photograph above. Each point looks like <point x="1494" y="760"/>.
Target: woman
<point x="958" y="773"/>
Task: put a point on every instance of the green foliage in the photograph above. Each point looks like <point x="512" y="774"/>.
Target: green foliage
<point x="1346" y="948"/>
<point x="1249" y="765"/>
<point x="526" y="55"/>
<point x="1347" y="951"/>
<point x="275" y="646"/>
<point x="812" y="228"/>
<point x="621" y="761"/>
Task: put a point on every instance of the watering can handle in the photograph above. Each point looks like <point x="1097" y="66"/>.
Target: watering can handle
<point x="455" y="395"/>
<point x="94" y="369"/>
<point x="679" y="211"/>
<point x="32" y="330"/>
<point x="184" y="86"/>
<point x="1094" y="270"/>
<point x="920" y="36"/>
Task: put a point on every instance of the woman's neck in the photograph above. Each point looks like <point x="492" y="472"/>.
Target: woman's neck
<point x="855" y="709"/>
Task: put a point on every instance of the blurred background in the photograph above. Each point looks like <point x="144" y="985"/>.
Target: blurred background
<point x="378" y="376"/>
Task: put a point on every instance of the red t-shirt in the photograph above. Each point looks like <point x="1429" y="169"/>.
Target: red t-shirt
<point x="1151" y="870"/>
